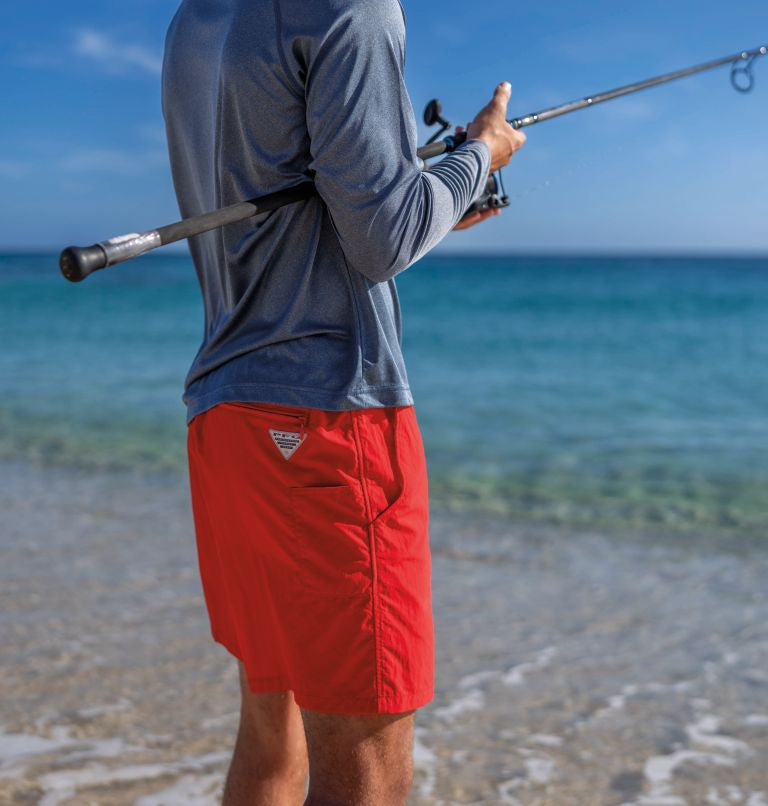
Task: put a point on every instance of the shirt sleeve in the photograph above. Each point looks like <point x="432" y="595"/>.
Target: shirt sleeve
<point x="386" y="211"/>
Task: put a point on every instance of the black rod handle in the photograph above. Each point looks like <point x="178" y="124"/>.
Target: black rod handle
<point x="442" y="146"/>
<point x="77" y="262"/>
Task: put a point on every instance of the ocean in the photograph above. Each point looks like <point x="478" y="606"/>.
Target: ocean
<point x="599" y="392"/>
<point x="596" y="438"/>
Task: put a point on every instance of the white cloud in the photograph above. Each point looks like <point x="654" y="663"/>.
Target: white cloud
<point x="114" y="55"/>
<point x="13" y="169"/>
<point x="111" y="161"/>
<point x="152" y="132"/>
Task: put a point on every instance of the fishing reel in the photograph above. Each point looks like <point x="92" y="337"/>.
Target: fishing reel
<point x="494" y="196"/>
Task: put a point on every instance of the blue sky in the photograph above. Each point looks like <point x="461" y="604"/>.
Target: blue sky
<point x="680" y="168"/>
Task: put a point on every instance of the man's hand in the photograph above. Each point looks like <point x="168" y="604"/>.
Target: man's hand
<point x="503" y="141"/>
<point x="492" y="128"/>
<point x="476" y="218"/>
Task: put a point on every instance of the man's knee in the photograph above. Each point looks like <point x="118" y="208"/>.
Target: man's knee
<point x="359" y="759"/>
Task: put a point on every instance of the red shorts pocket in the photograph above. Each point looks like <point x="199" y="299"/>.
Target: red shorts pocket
<point x="330" y="540"/>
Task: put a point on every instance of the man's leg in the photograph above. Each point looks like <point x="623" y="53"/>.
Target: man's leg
<point x="269" y="766"/>
<point x="359" y="760"/>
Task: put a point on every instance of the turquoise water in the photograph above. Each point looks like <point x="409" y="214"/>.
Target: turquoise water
<point x="617" y="392"/>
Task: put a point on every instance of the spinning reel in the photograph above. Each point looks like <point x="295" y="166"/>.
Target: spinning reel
<point x="494" y="196"/>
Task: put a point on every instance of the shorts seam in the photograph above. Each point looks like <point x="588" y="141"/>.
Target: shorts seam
<point x="375" y="598"/>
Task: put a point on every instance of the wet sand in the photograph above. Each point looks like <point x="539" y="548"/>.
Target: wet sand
<point x="573" y="669"/>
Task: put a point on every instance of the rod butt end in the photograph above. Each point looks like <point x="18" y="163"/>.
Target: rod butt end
<point x="77" y="262"/>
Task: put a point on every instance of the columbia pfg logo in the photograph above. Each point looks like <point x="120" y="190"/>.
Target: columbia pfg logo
<point x="287" y="442"/>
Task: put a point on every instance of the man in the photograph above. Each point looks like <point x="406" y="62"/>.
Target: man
<point x="307" y="469"/>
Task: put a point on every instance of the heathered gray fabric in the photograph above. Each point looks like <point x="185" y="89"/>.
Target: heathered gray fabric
<point x="300" y="304"/>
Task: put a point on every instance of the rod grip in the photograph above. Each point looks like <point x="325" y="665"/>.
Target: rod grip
<point x="77" y="262"/>
<point x="439" y="147"/>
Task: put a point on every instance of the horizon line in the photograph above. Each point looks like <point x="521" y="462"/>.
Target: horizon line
<point x="597" y="252"/>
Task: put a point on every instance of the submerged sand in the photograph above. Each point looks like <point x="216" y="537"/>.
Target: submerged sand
<point x="573" y="669"/>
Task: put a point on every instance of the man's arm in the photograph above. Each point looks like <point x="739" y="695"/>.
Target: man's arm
<point x="386" y="211"/>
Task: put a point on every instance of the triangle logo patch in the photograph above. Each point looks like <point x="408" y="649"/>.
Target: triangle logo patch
<point x="287" y="442"/>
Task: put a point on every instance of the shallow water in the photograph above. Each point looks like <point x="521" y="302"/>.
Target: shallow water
<point x="591" y="392"/>
<point x="573" y="667"/>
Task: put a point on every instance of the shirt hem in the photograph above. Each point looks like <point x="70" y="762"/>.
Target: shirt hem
<point x="373" y="397"/>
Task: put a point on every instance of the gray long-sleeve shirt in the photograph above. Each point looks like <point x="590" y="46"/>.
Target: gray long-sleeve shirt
<point x="300" y="303"/>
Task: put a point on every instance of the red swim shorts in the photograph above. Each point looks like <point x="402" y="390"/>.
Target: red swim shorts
<point x="312" y="540"/>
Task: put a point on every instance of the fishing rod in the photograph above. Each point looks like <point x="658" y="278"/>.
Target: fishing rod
<point x="742" y="80"/>
<point x="78" y="262"/>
